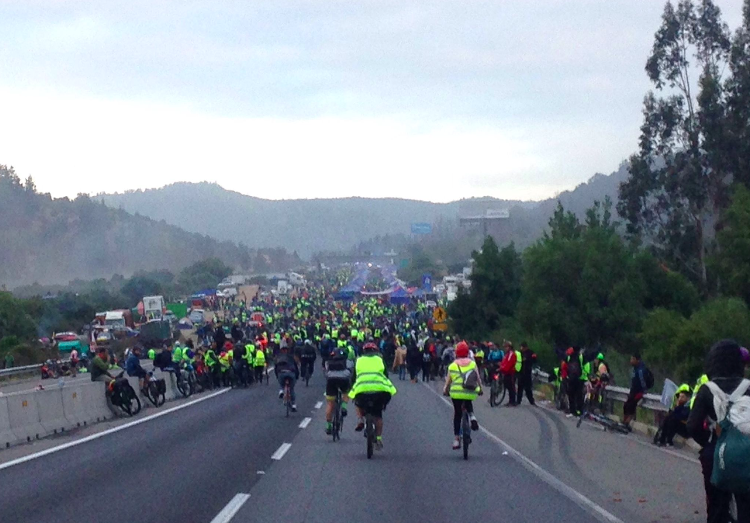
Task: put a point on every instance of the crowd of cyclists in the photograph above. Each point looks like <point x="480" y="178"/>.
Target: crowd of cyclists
<point x="359" y="341"/>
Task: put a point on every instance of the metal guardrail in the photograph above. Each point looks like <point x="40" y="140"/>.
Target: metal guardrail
<point x="20" y="370"/>
<point x="619" y="394"/>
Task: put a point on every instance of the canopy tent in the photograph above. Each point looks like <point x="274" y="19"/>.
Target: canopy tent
<point x="400" y="296"/>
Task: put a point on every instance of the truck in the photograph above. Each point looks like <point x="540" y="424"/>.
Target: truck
<point x="296" y="279"/>
<point x="282" y="287"/>
<point x="153" y="307"/>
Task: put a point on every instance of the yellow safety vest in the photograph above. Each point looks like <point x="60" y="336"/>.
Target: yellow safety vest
<point x="371" y="377"/>
<point x="519" y="360"/>
<point x="260" y="359"/>
<point x="457" y="390"/>
<point x="698" y="384"/>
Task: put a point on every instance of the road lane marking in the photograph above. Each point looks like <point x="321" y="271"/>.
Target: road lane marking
<point x="318" y="404"/>
<point x="107" y="432"/>
<point x="305" y="423"/>
<point x="576" y="497"/>
<point x="283" y="449"/>
<point x="234" y="505"/>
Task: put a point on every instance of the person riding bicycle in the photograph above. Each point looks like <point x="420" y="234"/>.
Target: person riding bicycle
<point x="338" y="372"/>
<point x="459" y="373"/>
<point x="286" y="369"/>
<point x="133" y="366"/>
<point x="307" y="358"/>
<point x="372" y="390"/>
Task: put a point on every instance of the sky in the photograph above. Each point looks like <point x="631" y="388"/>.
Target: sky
<point x="438" y="100"/>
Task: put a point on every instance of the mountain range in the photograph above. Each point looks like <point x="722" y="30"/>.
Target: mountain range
<point x="309" y="226"/>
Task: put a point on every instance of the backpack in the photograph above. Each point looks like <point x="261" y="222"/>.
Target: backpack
<point x="470" y="379"/>
<point x="426" y="356"/>
<point x="731" y="470"/>
<point x="648" y="377"/>
<point x="574" y="369"/>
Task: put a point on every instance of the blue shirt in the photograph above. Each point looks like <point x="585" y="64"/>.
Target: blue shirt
<point x="132" y="364"/>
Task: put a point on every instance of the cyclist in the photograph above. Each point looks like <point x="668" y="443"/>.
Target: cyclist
<point x="338" y="372"/>
<point x="307" y="358"/>
<point x="133" y="366"/>
<point x="372" y="390"/>
<point x="461" y="397"/>
<point x="287" y="369"/>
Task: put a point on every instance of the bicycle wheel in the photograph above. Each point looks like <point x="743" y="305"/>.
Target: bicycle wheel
<point x="287" y="399"/>
<point x="152" y="393"/>
<point x="370" y="427"/>
<point x="465" y="435"/>
<point x="501" y="393"/>
<point x="337" y="422"/>
<point x="182" y="386"/>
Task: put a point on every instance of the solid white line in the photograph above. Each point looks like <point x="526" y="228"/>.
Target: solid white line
<point x="106" y="432"/>
<point x="318" y="404"/>
<point x="283" y="449"/>
<point x="305" y="423"/>
<point x="579" y="499"/>
<point x="234" y="505"/>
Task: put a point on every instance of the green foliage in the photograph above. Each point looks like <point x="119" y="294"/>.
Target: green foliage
<point x="733" y="258"/>
<point x="204" y="274"/>
<point x="420" y="263"/>
<point x="14" y="320"/>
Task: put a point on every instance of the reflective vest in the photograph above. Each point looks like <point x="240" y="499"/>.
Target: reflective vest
<point x="698" y="384"/>
<point x="519" y="360"/>
<point x="151" y="354"/>
<point x="351" y="355"/>
<point x="224" y="361"/>
<point x="249" y="351"/>
<point x="209" y="358"/>
<point x="479" y="354"/>
<point x="457" y="390"/>
<point x="371" y="377"/>
<point x="186" y="357"/>
<point x="260" y="359"/>
<point x="177" y="354"/>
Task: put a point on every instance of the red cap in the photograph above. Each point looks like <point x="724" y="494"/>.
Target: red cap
<point x="462" y="350"/>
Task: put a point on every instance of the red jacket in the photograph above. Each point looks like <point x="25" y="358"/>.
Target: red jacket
<point x="508" y="365"/>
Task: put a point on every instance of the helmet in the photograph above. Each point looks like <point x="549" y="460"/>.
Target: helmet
<point x="462" y="350"/>
<point x="370" y="347"/>
<point x="308" y="342"/>
<point x="570" y="351"/>
<point x="600" y="356"/>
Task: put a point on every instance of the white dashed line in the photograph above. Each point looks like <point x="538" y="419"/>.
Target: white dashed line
<point x="318" y="404"/>
<point x="305" y="423"/>
<point x="228" y="512"/>
<point x="283" y="449"/>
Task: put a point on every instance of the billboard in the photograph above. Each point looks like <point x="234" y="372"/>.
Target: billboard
<point x="421" y="228"/>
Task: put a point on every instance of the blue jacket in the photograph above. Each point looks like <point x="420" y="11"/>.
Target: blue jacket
<point x="132" y="364"/>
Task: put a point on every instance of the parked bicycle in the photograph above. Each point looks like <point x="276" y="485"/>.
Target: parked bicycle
<point x="122" y="395"/>
<point x="497" y="390"/>
<point x="154" y="389"/>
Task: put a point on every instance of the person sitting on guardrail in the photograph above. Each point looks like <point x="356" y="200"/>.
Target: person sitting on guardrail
<point x="133" y="366"/>
<point x="100" y="367"/>
<point x="676" y="421"/>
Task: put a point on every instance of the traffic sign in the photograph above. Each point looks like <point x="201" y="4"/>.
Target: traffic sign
<point x="421" y="228"/>
<point x="439" y="315"/>
<point x="442" y="327"/>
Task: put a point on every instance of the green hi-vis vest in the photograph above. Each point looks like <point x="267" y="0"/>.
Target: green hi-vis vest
<point x="249" y="352"/>
<point x="519" y="360"/>
<point x="371" y="377"/>
<point x="457" y="390"/>
<point x="260" y="359"/>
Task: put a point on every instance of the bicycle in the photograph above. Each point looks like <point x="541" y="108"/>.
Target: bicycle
<point x="338" y="419"/>
<point x="154" y="390"/>
<point x="122" y="395"/>
<point x="182" y="385"/>
<point x="191" y="379"/>
<point x="561" y="396"/>
<point x="465" y="432"/>
<point x="370" y="433"/>
<point x="497" y="391"/>
<point x="287" y="396"/>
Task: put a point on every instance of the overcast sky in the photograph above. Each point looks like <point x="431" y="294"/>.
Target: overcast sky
<point x="433" y="100"/>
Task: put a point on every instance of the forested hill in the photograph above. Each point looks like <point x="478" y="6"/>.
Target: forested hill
<point x="309" y="226"/>
<point x="50" y="240"/>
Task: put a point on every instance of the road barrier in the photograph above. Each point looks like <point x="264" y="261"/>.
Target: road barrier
<point x="7" y="437"/>
<point x="73" y="407"/>
<point x="23" y="410"/>
<point x="51" y="411"/>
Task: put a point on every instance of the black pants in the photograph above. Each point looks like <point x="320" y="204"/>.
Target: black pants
<point x="575" y="396"/>
<point x="426" y="370"/>
<point x="718" y="501"/>
<point x="509" y="380"/>
<point x="524" y="385"/>
<point x="413" y="370"/>
<point x="458" y="413"/>
<point x="670" y="428"/>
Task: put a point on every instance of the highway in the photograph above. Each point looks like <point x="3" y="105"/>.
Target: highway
<point x="214" y="461"/>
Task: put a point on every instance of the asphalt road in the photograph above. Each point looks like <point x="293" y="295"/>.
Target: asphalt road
<point x="214" y="460"/>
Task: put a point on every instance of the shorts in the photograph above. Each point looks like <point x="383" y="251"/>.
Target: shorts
<point x="138" y="373"/>
<point x="333" y="385"/>
<point x="631" y="403"/>
<point x="373" y="402"/>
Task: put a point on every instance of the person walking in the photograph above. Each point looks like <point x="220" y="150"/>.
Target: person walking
<point x="399" y="362"/>
<point x="525" y="381"/>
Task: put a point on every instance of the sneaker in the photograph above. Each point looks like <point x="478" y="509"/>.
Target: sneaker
<point x="456" y="443"/>
<point x="343" y="410"/>
<point x="281" y="393"/>
<point x="294" y="407"/>
<point x="360" y="426"/>
<point x="474" y="423"/>
<point x="569" y="415"/>
<point x="379" y="444"/>
<point x="329" y="428"/>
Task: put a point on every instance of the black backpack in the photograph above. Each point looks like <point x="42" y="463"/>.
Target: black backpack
<point x="574" y="369"/>
<point x="648" y="377"/>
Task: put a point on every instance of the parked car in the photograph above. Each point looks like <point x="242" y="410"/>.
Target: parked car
<point x="197" y="316"/>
